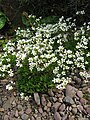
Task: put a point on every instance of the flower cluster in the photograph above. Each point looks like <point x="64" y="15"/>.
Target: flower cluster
<point x="57" y="45"/>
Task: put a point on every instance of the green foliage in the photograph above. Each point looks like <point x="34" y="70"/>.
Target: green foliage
<point x="3" y="20"/>
<point x="32" y="21"/>
<point x="31" y="82"/>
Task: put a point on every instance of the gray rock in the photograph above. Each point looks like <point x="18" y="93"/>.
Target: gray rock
<point x="83" y="101"/>
<point x="68" y="100"/>
<point x="56" y="106"/>
<point x="1" y="102"/>
<point x="57" y="116"/>
<point x="48" y="110"/>
<point x="89" y="90"/>
<point x="79" y="94"/>
<point x="80" y="118"/>
<point x="6" y="117"/>
<point x="54" y="99"/>
<point x="28" y="111"/>
<point x="70" y="91"/>
<point x="7" y="105"/>
<point x="80" y="108"/>
<point x="38" y="118"/>
<point x="62" y="107"/>
<point x="88" y="110"/>
<point x="65" y="117"/>
<point x="37" y="98"/>
<point x="21" y="112"/>
<point x="24" y="117"/>
<point x="19" y="107"/>
<point x="14" y="104"/>
<point x="0" y="117"/>
<point x="72" y="118"/>
<point x="43" y="101"/>
<point x="32" y="118"/>
<point x="50" y="92"/>
<point x="74" y="110"/>
<point x="45" y="108"/>
<point x="49" y="104"/>
<point x="40" y="110"/>
<point x="12" y="113"/>
<point x="16" y="113"/>
<point x="44" y="114"/>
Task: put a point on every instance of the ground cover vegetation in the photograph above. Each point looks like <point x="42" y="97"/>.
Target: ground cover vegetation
<point x="45" y="54"/>
<point x="14" y="9"/>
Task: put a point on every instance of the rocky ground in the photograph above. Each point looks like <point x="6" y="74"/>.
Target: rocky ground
<point x="73" y="103"/>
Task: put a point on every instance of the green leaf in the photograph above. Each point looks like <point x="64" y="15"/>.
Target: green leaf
<point x="25" y="21"/>
<point x="50" y="20"/>
<point x="2" y="22"/>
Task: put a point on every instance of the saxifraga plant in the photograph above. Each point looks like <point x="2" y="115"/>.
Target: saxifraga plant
<point x="46" y="55"/>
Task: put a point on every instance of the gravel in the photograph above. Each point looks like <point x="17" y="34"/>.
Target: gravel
<point x="69" y="104"/>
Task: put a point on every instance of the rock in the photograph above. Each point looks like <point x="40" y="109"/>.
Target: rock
<point x="37" y="98"/>
<point x="43" y="101"/>
<point x="40" y="110"/>
<point x="48" y="110"/>
<point x="56" y="106"/>
<point x="7" y="105"/>
<point x="80" y="108"/>
<point x="79" y="94"/>
<point x="6" y="117"/>
<point x="38" y="118"/>
<point x="14" y="104"/>
<point x="62" y="107"/>
<point x="74" y="106"/>
<point x="50" y="92"/>
<point x="71" y="118"/>
<point x="15" y="94"/>
<point x="68" y="100"/>
<point x="49" y="104"/>
<point x="0" y="117"/>
<point x="83" y="101"/>
<point x="88" y="110"/>
<point x="16" y="113"/>
<point x="65" y="117"/>
<point x="45" y="108"/>
<point x="19" y="107"/>
<point x="70" y="91"/>
<point x="28" y="111"/>
<point x="1" y="109"/>
<point x="21" y="112"/>
<point x="1" y="102"/>
<point x="88" y="90"/>
<point x="54" y="99"/>
<point x="32" y="118"/>
<point x="12" y="113"/>
<point x="60" y="100"/>
<point x="11" y="99"/>
<point x="78" y="81"/>
<point x="36" y="111"/>
<point x="44" y="114"/>
<point x="57" y="116"/>
<point x="80" y="118"/>
<point x="74" y="110"/>
<point x="24" y="117"/>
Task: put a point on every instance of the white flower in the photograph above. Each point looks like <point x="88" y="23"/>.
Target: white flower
<point x="69" y="62"/>
<point x="22" y="95"/>
<point x="26" y="98"/>
<point x="10" y="72"/>
<point x="9" y="87"/>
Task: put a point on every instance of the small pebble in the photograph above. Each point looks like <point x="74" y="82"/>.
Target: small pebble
<point x="24" y="117"/>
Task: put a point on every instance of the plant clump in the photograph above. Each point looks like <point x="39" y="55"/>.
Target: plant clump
<point x="46" y="55"/>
